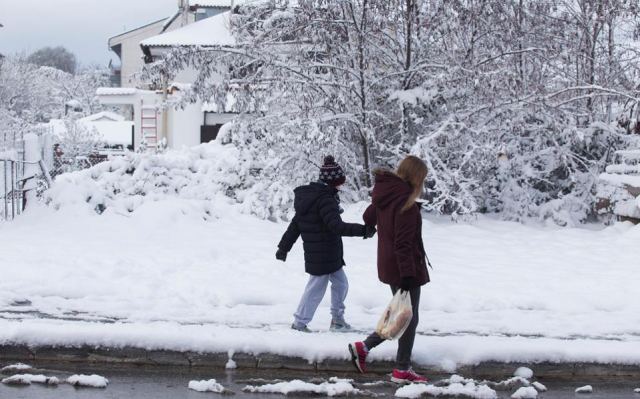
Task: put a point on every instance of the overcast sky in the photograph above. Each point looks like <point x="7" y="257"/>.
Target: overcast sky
<point x="83" y="26"/>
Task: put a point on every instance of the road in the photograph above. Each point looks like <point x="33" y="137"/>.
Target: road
<point x="164" y="383"/>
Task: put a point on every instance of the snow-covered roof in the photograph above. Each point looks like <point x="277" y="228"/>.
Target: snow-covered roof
<point x="104" y="116"/>
<point x="113" y="132"/>
<point x="213" y="31"/>
<point x="116" y="91"/>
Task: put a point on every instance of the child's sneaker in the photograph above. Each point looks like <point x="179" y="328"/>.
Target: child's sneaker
<point x="359" y="356"/>
<point x="339" y="325"/>
<point x="300" y="328"/>
<point x="407" y="376"/>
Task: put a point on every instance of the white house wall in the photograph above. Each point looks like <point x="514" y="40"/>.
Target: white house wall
<point x="184" y="125"/>
<point x="131" y="56"/>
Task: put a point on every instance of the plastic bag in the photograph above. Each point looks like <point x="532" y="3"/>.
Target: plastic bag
<point x="396" y="317"/>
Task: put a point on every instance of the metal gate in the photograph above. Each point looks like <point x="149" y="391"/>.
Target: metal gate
<point x="14" y="185"/>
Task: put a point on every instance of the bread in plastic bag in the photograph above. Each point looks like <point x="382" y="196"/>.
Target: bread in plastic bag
<point x="396" y="317"/>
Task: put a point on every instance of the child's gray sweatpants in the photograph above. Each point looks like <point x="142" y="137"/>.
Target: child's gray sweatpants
<point x="314" y="292"/>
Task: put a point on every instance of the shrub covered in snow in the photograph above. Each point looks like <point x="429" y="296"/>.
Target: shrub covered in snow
<point x="192" y="178"/>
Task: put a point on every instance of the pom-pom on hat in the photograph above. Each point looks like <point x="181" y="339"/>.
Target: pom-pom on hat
<point x="331" y="173"/>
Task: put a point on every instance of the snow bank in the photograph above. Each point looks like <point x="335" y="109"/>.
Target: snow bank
<point x="28" y="379"/>
<point x="467" y="390"/>
<point x="525" y="393"/>
<point x="92" y="381"/>
<point x="206" y="386"/>
<point x="334" y="387"/>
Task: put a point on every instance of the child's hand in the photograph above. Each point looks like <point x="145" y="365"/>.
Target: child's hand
<point x="369" y="231"/>
<point x="281" y="255"/>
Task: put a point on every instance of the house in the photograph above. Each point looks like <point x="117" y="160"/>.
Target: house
<point x="200" y="23"/>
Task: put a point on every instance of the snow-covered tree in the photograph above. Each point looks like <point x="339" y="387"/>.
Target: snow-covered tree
<point x="516" y="106"/>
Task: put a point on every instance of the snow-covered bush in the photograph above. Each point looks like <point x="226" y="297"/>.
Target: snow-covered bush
<point x="192" y="180"/>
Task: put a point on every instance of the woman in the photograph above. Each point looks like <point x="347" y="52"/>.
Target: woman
<point x="401" y="255"/>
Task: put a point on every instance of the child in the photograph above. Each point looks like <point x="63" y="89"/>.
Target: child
<point x="318" y="221"/>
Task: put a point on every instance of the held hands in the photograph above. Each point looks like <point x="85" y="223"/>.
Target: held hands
<point x="281" y="255"/>
<point x="369" y="231"/>
<point x="406" y="283"/>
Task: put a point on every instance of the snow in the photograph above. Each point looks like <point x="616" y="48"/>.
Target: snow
<point x="539" y="386"/>
<point x="15" y="367"/>
<point x="231" y="364"/>
<point x="206" y="386"/>
<point x="629" y="154"/>
<point x="93" y="381"/>
<point x="103" y="116"/>
<point x="212" y="31"/>
<point x="585" y="389"/>
<point x="523" y="372"/>
<point x="28" y="379"/>
<point x="217" y="3"/>
<point x="500" y="291"/>
<point x="333" y="387"/>
<point x="10" y="155"/>
<point x="637" y="390"/>
<point x="467" y="390"/>
<point x="619" y="180"/>
<point x="525" y="393"/>
<point x="115" y="91"/>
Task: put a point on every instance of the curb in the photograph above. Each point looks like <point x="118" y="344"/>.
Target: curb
<point x="137" y="357"/>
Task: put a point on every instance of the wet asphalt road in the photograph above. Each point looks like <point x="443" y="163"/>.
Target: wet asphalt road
<point x="138" y="383"/>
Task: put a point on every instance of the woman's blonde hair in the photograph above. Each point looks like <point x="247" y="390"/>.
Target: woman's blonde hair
<point x="413" y="171"/>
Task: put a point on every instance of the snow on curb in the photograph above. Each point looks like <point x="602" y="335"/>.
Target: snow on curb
<point x="585" y="389"/>
<point x="90" y="381"/>
<point x="28" y="379"/>
<point x="206" y="386"/>
<point x="334" y="387"/>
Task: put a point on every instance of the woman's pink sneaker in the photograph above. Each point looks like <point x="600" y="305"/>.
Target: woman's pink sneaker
<point x="359" y="355"/>
<point x="407" y="376"/>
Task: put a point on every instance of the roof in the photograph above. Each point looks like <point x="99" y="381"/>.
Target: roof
<point x="213" y="31"/>
<point x="138" y="28"/>
<point x="104" y="116"/>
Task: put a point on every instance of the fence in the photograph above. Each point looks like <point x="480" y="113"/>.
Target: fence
<point x="21" y="174"/>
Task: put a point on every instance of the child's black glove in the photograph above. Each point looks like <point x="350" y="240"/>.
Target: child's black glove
<point x="369" y="231"/>
<point x="281" y="255"/>
<point x="406" y="283"/>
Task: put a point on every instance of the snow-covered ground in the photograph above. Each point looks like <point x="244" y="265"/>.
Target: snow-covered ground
<point x="163" y="277"/>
